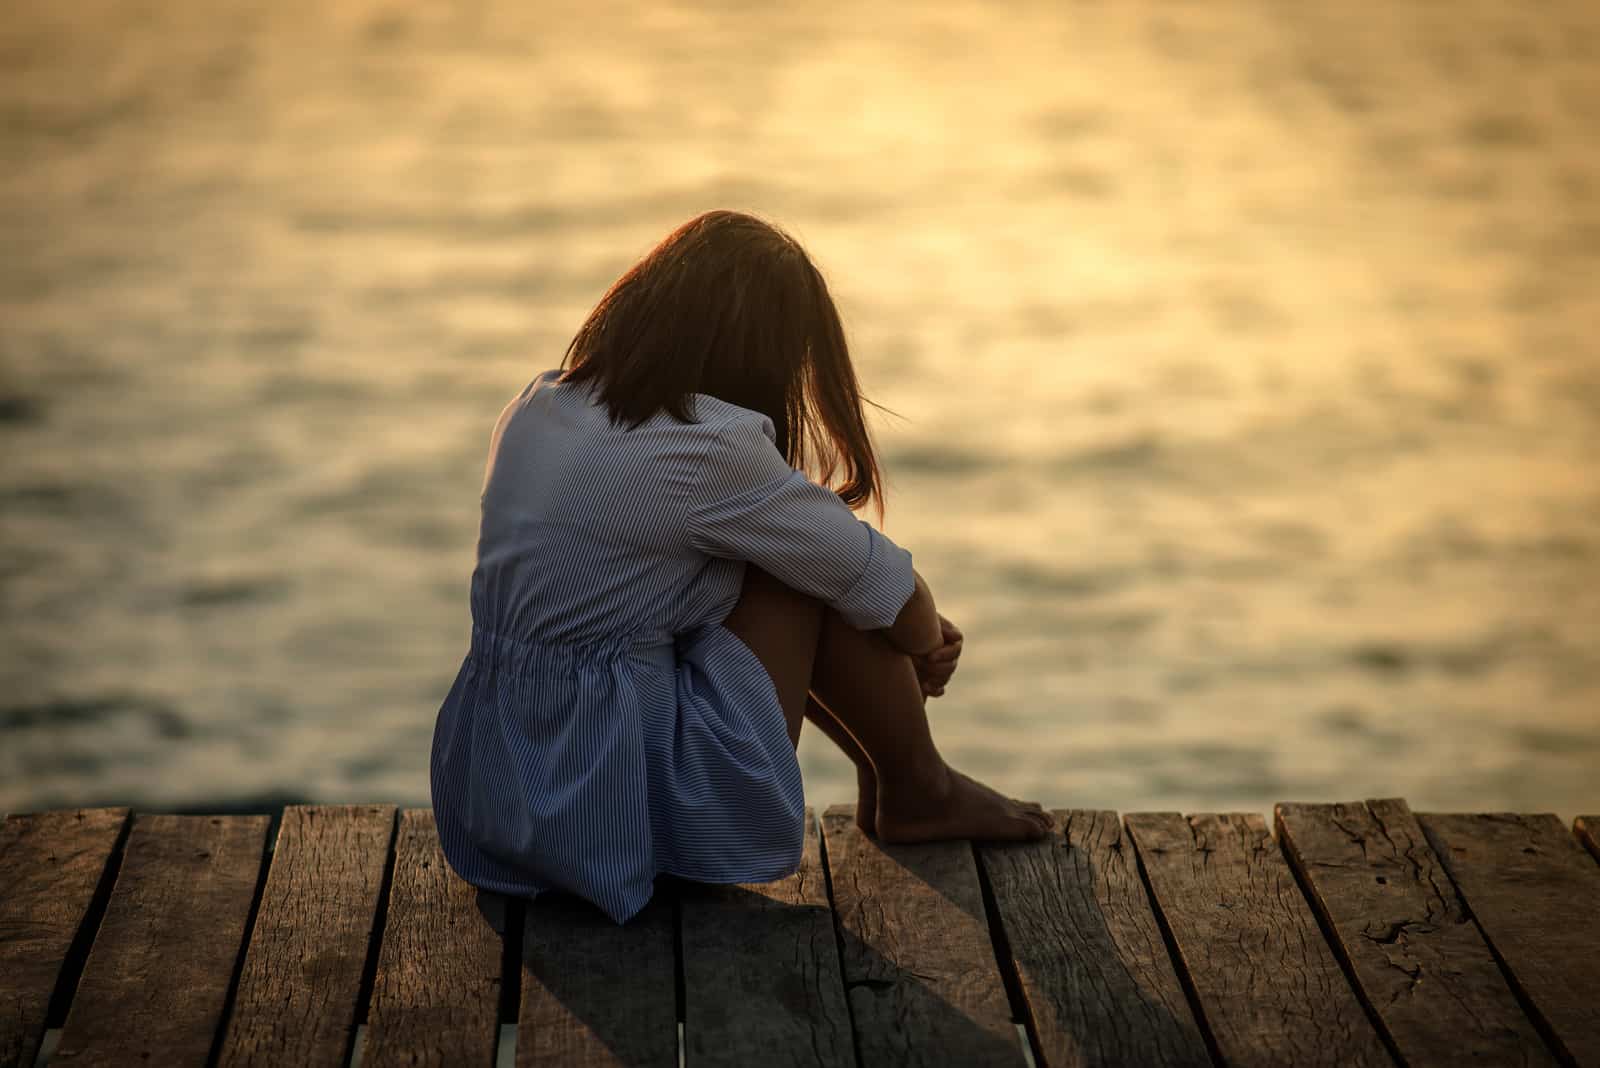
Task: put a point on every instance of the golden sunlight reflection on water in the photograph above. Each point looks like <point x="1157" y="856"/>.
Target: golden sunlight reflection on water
<point x="1244" y="355"/>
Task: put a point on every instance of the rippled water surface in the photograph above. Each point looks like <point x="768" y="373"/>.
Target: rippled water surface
<point x="1245" y="356"/>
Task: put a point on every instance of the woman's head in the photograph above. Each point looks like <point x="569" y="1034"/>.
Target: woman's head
<point x="730" y="306"/>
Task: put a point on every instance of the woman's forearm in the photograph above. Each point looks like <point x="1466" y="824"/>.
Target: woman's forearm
<point x="916" y="629"/>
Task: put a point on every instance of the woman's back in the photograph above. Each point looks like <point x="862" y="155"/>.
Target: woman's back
<point x="584" y="537"/>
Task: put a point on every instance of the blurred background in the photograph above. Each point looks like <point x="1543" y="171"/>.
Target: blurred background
<point x="1245" y="357"/>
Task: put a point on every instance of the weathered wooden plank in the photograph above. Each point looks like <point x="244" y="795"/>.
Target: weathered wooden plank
<point x="436" y="996"/>
<point x="1587" y="828"/>
<point x="52" y="866"/>
<point x="761" y="971"/>
<point x="296" y="1001"/>
<point x="919" y="968"/>
<point x="1533" y="892"/>
<point x="594" y="993"/>
<point x="1092" y="964"/>
<point x="157" y="978"/>
<point x="1268" y="985"/>
<point x="1422" y="964"/>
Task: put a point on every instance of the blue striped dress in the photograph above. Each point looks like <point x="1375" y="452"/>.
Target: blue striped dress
<point x="605" y="727"/>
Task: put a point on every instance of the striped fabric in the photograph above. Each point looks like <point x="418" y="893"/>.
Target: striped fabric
<point x="605" y="727"/>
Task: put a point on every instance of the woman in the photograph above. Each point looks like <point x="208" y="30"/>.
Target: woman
<point x="662" y="596"/>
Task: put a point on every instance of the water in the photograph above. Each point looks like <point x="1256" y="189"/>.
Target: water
<point x="1244" y="353"/>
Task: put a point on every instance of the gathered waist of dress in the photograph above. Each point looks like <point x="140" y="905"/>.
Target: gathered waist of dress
<point x="522" y="655"/>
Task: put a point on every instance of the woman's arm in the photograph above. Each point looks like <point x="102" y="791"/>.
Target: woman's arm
<point x="748" y="504"/>
<point x="916" y="630"/>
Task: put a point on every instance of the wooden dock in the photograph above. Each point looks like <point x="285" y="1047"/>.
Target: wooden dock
<point x="1358" y="934"/>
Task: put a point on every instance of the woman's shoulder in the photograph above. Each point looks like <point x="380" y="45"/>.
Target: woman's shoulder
<point x="539" y="387"/>
<point x="719" y="418"/>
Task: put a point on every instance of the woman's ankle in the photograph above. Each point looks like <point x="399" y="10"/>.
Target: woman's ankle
<point x="922" y="779"/>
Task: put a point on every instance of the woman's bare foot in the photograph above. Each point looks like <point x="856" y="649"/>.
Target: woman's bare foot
<point x="958" y="807"/>
<point x="866" y="800"/>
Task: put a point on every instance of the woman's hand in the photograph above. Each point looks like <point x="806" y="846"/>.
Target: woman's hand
<point x="935" y="668"/>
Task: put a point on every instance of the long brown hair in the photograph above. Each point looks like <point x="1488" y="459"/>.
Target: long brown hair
<point x="731" y="306"/>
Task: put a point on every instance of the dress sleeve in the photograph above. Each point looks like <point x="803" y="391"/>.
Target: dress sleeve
<point x="749" y="504"/>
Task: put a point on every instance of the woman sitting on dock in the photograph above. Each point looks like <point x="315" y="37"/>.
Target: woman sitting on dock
<point x="662" y="596"/>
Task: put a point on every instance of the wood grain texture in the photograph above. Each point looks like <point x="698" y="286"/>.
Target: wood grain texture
<point x="296" y="1001"/>
<point x="1093" y="966"/>
<point x="761" y="971"/>
<point x="594" y="993"/>
<point x="52" y="865"/>
<point x="1268" y="984"/>
<point x="1534" y="893"/>
<point x="436" y="996"/>
<point x="1587" y="828"/>
<point x="157" y="978"/>
<point x="919" y="968"/>
<point x="1422" y="964"/>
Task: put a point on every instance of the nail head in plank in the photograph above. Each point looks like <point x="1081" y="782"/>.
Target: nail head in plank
<point x="1268" y="984"/>
<point x="761" y="971"/>
<point x="1533" y="892"/>
<point x="1423" y="965"/>
<point x="1587" y="828"/>
<point x="52" y="865"/>
<point x="156" y="982"/>
<point x="919" y="968"/>
<point x="297" y="996"/>
<point x="1092" y="964"/>
<point x="436" y="997"/>
<point x="595" y="993"/>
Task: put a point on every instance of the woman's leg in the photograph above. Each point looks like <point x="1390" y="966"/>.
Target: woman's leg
<point x="781" y="626"/>
<point x="866" y="777"/>
<point x="870" y="690"/>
